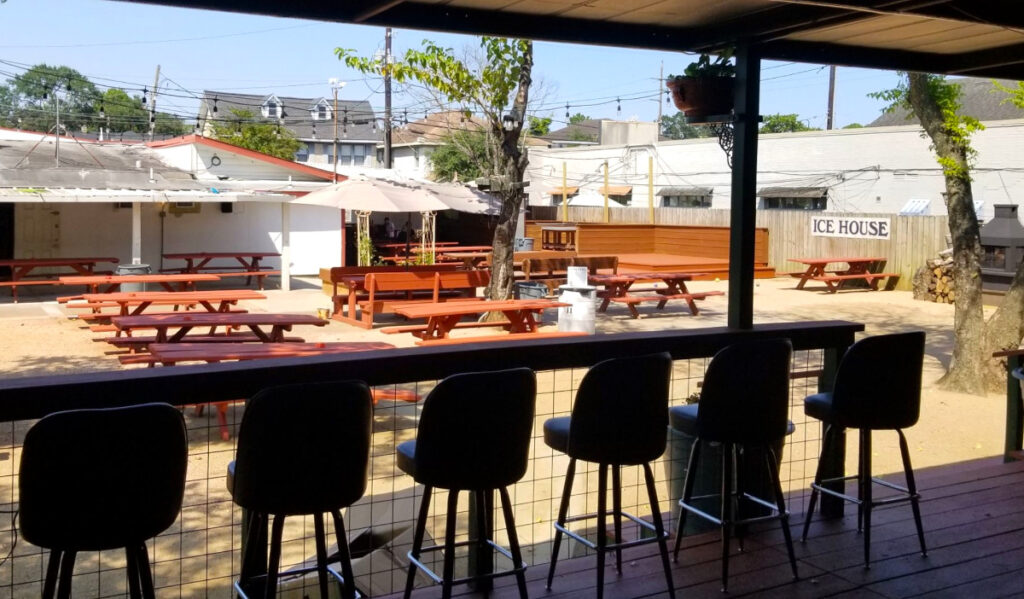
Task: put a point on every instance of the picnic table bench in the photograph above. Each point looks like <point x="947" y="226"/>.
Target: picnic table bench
<point x="185" y="322"/>
<point x="340" y="282"/>
<point x="134" y="303"/>
<point x="21" y="270"/>
<point x="248" y="264"/>
<point x="862" y="269"/>
<point x="385" y="290"/>
<point x="619" y="289"/>
<point x="112" y="283"/>
<point x="443" y="317"/>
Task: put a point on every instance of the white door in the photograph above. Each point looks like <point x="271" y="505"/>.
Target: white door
<point x="36" y="231"/>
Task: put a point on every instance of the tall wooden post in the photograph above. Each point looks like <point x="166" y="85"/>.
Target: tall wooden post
<point x="605" y="191"/>
<point x="650" y="186"/>
<point x="565" y="196"/>
<point x="743" y="213"/>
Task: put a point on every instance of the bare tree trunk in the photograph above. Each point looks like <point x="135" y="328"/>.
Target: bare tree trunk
<point x="511" y="163"/>
<point x="1005" y="329"/>
<point x="967" y="370"/>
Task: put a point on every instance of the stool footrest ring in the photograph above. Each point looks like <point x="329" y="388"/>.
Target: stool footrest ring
<point x="611" y="546"/>
<point x="438" y="580"/>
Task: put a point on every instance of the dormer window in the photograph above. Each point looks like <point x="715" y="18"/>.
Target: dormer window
<point x="321" y="111"/>
<point x="271" y="108"/>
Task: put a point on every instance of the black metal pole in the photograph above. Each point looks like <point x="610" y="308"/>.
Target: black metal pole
<point x="743" y="213"/>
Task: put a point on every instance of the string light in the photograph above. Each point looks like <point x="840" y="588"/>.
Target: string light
<point x="567" y="111"/>
<point x="618" y="107"/>
<point x="103" y="114"/>
<point x="215" y="105"/>
<point x="144" y="92"/>
<point x="405" y="117"/>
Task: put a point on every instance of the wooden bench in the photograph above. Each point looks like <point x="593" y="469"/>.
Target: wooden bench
<point x="835" y="281"/>
<point x="598" y="264"/>
<point x="385" y="290"/>
<point x="139" y="342"/>
<point x="507" y="337"/>
<point x="331" y="278"/>
<point x="550" y="271"/>
<point x="632" y="300"/>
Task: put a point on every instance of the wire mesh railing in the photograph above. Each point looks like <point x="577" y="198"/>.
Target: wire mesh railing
<point x="200" y="555"/>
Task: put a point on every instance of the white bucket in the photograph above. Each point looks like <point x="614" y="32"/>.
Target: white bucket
<point x="576" y="276"/>
<point x="580" y="315"/>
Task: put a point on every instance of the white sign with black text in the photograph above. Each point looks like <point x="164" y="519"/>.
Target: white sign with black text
<point x="850" y="226"/>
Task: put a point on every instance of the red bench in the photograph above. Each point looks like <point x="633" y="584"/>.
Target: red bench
<point x="835" y="281"/>
<point x="632" y="300"/>
<point x="385" y="290"/>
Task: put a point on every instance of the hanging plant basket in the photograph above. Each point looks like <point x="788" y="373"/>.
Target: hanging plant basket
<point x="701" y="97"/>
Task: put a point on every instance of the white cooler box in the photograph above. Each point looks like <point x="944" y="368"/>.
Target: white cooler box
<point x="580" y="315"/>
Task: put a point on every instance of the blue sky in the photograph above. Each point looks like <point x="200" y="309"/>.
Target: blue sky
<point x="120" y="44"/>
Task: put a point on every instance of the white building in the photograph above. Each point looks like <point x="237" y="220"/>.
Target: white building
<point x="870" y="169"/>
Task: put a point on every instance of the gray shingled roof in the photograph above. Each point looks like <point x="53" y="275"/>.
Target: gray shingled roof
<point x="296" y="115"/>
<point x="589" y="127"/>
<point x="980" y="99"/>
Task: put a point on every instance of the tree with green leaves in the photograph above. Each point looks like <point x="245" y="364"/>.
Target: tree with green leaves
<point x="540" y="126"/>
<point x="242" y="129"/>
<point x="122" y="113"/>
<point x="675" y="127"/>
<point x="784" y="123"/>
<point x="936" y="103"/>
<point x="498" y="89"/>
<point x="578" y="118"/>
<point x="462" y="157"/>
<point x="854" y="126"/>
<point x="37" y="91"/>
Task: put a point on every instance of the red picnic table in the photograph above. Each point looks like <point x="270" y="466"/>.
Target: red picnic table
<point x="445" y="316"/>
<point x="133" y="303"/>
<point x="21" y="269"/>
<point x="185" y="322"/>
<point x="170" y="354"/>
<point x="248" y="261"/>
<point x="619" y="288"/>
<point x="112" y="283"/>
<point x="856" y="268"/>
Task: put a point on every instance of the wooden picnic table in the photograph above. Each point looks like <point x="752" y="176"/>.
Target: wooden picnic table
<point x="21" y="270"/>
<point x="470" y="260"/>
<point x="248" y="263"/>
<point x="172" y="353"/>
<point x="134" y="303"/>
<point x="619" y="288"/>
<point x="856" y="268"/>
<point x="112" y="283"/>
<point x="443" y="317"/>
<point x="185" y="322"/>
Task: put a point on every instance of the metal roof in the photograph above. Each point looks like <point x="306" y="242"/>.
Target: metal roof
<point x="685" y="191"/>
<point x="792" y="192"/>
<point x="939" y="36"/>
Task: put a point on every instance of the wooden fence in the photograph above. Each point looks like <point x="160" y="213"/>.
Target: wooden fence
<point x="913" y="239"/>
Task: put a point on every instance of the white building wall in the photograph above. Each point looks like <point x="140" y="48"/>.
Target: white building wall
<point x="98" y="229"/>
<point x="412" y="161"/>
<point x="876" y="169"/>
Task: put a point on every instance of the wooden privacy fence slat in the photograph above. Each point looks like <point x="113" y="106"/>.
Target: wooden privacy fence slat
<point x="913" y="239"/>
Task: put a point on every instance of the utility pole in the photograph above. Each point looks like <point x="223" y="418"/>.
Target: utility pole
<point x="661" y="84"/>
<point x="152" y="104"/>
<point x="387" y="98"/>
<point x="334" y="86"/>
<point x="56" y="130"/>
<point x="831" y="96"/>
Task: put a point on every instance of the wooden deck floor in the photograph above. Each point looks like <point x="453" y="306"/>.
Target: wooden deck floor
<point x="973" y="515"/>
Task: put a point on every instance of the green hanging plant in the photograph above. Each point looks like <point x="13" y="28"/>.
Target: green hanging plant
<point x="366" y="250"/>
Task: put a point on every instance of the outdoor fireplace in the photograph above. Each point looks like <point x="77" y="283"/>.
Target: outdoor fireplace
<point x="1002" y="244"/>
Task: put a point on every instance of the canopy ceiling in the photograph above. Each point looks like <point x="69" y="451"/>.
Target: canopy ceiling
<point x="940" y="36"/>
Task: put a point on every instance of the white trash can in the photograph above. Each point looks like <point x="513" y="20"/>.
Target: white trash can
<point x="580" y="315"/>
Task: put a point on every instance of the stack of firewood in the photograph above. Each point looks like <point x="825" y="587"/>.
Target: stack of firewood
<point x="933" y="282"/>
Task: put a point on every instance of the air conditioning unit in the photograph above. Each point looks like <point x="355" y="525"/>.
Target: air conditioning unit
<point x="184" y="207"/>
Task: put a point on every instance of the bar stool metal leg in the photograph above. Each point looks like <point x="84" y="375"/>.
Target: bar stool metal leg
<point x="780" y="502"/>
<point x="132" y="571"/>
<point x="321" y="552"/>
<point x="52" y="573"/>
<point x="727" y="510"/>
<point x="688" y="482"/>
<point x="513" y="542"/>
<point x="274" y="563"/>
<point x="617" y="509"/>
<point x="417" y="543"/>
<point x="145" y="576"/>
<point x="449" y="544"/>
<point x="659" y="528"/>
<point x="826" y="447"/>
<point x="348" y="590"/>
<point x="912" y="489"/>
<point x="563" y="511"/>
<point x="866" y="494"/>
<point x="67" y="567"/>
<point x="602" y="514"/>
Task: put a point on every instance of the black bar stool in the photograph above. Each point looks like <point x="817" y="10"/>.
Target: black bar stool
<point x="302" y="450"/>
<point x="877" y="387"/>
<point x="619" y="419"/>
<point x="744" y="405"/>
<point x="92" y="480"/>
<point x="474" y="435"/>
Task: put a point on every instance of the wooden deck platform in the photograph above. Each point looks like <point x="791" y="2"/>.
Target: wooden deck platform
<point x="714" y="268"/>
<point x="973" y="515"/>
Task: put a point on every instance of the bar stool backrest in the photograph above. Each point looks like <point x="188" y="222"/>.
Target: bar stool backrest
<point x="745" y="397"/>
<point x="474" y="431"/>
<point x="304" y="449"/>
<point x="102" y="479"/>
<point x="621" y="411"/>
<point x="878" y="383"/>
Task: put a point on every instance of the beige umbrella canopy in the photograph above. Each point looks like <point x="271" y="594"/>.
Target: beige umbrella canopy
<point x="366" y="195"/>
